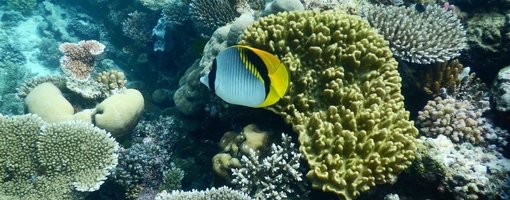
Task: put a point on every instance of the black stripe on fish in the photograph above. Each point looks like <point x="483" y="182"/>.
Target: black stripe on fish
<point x="261" y="68"/>
<point x="212" y="77"/>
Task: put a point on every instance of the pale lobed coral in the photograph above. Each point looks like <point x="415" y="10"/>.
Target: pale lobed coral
<point x="458" y="120"/>
<point x="52" y="161"/>
<point x="222" y="193"/>
<point x="276" y="176"/>
<point x="79" y="58"/>
<point x="112" y="80"/>
<point x="436" y="35"/>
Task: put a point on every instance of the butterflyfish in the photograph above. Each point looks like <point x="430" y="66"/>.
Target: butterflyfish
<point x="247" y="76"/>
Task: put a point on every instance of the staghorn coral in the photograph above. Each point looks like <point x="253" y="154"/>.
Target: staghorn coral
<point x="458" y="120"/>
<point x="79" y="58"/>
<point x="211" y="14"/>
<point x="276" y="176"/>
<point x="52" y="161"/>
<point x="435" y="35"/>
<point x="442" y="75"/>
<point x="344" y="98"/>
<point x="222" y="193"/>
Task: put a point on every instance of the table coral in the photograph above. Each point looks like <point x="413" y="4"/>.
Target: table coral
<point x="344" y="99"/>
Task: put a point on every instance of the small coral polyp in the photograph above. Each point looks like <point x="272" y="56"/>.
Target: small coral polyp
<point x="344" y="99"/>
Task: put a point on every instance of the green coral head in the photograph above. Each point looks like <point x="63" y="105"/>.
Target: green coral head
<point x="344" y="99"/>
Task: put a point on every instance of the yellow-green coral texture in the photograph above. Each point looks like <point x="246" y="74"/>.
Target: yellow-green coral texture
<point x="344" y="99"/>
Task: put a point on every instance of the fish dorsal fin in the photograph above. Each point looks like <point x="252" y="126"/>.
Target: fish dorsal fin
<point x="278" y="76"/>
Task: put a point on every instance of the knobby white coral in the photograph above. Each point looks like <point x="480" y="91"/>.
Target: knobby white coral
<point x="274" y="177"/>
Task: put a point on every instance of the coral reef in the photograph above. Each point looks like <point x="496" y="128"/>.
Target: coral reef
<point x="112" y="80"/>
<point x="192" y="96"/>
<point x="211" y="14"/>
<point x="157" y="4"/>
<point x="148" y="162"/>
<point x="233" y="145"/>
<point x="78" y="60"/>
<point x="488" y="33"/>
<point x="24" y="6"/>
<point x="276" y="176"/>
<point x="222" y="193"/>
<point x="470" y="172"/>
<point x="344" y="98"/>
<point x="52" y="161"/>
<point x="435" y="35"/>
<point x="277" y="6"/>
<point x="458" y="120"/>
<point x="137" y="27"/>
<point x="29" y="84"/>
<point x="47" y="102"/>
<point x="119" y="113"/>
<point x="501" y="91"/>
<point x="88" y="89"/>
<point x="442" y="75"/>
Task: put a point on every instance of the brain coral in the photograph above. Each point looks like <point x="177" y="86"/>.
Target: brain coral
<point x="52" y="161"/>
<point x="344" y="98"/>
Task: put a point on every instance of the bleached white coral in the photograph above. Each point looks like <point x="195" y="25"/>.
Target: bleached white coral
<point x="222" y="193"/>
<point x="276" y="176"/>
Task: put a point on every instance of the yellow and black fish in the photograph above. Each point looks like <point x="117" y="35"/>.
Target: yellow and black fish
<point x="247" y="76"/>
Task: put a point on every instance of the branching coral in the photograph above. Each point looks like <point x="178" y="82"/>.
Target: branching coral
<point x="52" y="161"/>
<point x="435" y="35"/>
<point x="222" y="193"/>
<point x="344" y="98"/>
<point x="276" y="176"/>
<point x="79" y="59"/>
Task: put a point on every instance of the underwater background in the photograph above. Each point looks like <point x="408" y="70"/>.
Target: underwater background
<point x="388" y="99"/>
